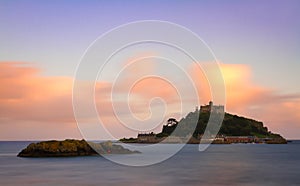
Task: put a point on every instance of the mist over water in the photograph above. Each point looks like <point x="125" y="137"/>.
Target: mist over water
<point x="235" y="164"/>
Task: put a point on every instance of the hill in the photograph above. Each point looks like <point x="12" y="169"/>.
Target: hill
<point x="232" y="125"/>
<point x="234" y="129"/>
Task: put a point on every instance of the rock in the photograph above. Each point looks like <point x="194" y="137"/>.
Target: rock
<point x="278" y="140"/>
<point x="71" y="147"/>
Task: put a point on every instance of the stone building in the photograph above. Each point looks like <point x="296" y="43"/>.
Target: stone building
<point x="212" y="108"/>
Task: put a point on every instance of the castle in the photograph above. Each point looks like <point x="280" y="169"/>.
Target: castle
<point x="211" y="108"/>
<point x="172" y="123"/>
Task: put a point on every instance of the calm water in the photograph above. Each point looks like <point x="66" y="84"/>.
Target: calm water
<point x="237" y="164"/>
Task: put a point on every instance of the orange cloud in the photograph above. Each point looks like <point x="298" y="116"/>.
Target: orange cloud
<point x="244" y="97"/>
<point x="26" y="98"/>
<point x="33" y="106"/>
<point x="132" y="93"/>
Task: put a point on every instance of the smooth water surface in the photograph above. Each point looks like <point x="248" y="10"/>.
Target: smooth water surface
<point x="235" y="164"/>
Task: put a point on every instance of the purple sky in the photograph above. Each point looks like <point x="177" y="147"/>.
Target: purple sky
<point x="262" y="34"/>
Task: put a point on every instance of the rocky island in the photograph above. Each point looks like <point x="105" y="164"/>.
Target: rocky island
<point x="72" y="147"/>
<point x="234" y="129"/>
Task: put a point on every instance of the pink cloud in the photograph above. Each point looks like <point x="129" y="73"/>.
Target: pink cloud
<point x="27" y="96"/>
<point x="279" y="112"/>
<point x="133" y="98"/>
<point x="33" y="106"/>
<point x="29" y="101"/>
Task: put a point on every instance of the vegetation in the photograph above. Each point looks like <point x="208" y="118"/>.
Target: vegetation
<point x="195" y="123"/>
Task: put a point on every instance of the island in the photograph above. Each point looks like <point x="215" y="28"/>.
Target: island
<point x="234" y="129"/>
<point x="72" y="147"/>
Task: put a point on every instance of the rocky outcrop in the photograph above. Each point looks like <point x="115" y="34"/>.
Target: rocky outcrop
<point x="71" y="147"/>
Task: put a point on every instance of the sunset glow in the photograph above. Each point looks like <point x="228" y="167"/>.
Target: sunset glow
<point x="256" y="46"/>
<point x="43" y="102"/>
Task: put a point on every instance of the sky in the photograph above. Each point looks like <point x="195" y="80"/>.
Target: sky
<point x="255" y="42"/>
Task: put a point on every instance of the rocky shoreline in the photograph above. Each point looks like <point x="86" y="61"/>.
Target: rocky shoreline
<point x="71" y="148"/>
<point x="179" y="140"/>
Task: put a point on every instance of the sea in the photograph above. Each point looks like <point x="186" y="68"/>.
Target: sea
<point x="234" y="164"/>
